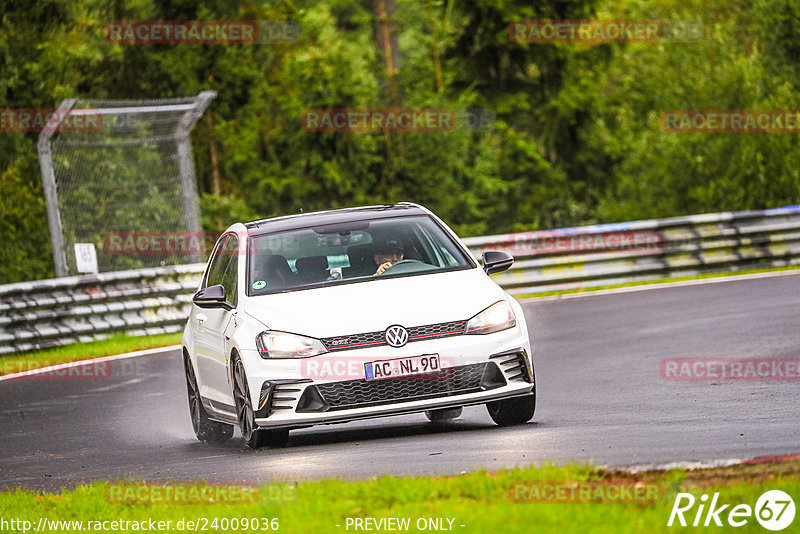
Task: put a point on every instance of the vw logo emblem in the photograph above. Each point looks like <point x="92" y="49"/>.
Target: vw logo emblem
<point x="396" y="336"/>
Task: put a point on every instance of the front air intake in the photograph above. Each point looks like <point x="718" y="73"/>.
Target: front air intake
<point x="278" y="395"/>
<point x="514" y="364"/>
<point x="312" y="401"/>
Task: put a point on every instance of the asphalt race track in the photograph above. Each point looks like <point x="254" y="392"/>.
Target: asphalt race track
<point x="601" y="399"/>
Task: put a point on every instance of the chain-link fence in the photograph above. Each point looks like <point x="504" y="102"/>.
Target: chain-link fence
<point x="120" y="183"/>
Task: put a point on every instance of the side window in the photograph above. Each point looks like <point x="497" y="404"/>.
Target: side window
<point x="228" y="276"/>
<point x="223" y="267"/>
<point x="212" y="274"/>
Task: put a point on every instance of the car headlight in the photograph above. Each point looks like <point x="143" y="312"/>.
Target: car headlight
<point x="272" y="344"/>
<point x="499" y="316"/>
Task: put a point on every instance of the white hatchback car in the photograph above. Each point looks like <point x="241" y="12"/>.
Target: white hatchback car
<point x="351" y="314"/>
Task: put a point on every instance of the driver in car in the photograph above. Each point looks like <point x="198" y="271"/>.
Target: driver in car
<point x="387" y="255"/>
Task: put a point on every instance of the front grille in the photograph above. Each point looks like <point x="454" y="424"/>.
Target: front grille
<point x="374" y="339"/>
<point x="452" y="328"/>
<point x="445" y="383"/>
<point x="354" y="341"/>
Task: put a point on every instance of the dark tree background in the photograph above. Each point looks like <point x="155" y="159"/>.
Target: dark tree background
<point x="577" y="137"/>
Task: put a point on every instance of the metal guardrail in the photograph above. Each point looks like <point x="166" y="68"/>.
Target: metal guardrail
<point x="589" y="256"/>
<point x="61" y="311"/>
<point x="156" y="300"/>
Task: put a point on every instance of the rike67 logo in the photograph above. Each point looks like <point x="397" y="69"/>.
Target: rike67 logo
<point x="774" y="510"/>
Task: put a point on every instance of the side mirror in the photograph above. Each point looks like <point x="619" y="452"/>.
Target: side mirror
<point x="212" y="297"/>
<point x="496" y="261"/>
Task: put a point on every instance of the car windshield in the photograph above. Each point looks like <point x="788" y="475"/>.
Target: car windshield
<point x="355" y="251"/>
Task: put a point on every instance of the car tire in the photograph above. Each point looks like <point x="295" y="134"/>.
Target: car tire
<point x="262" y="437"/>
<point x="255" y="437"/>
<point x="443" y="415"/>
<point x="206" y="430"/>
<point x="514" y="411"/>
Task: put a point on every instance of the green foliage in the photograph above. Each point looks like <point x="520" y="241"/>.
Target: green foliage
<point x="26" y="254"/>
<point x="577" y="138"/>
<point x="509" y="501"/>
<point x="658" y="173"/>
<point x="108" y="346"/>
<point x="219" y="212"/>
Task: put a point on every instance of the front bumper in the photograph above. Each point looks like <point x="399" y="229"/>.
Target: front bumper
<point x="477" y="369"/>
<point x="394" y="409"/>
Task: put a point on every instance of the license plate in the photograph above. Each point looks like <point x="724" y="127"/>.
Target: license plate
<point x="415" y="365"/>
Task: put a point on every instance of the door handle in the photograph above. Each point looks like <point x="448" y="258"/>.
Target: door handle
<point x="201" y="317"/>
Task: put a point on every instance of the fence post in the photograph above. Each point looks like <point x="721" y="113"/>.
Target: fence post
<point x="191" y="201"/>
<point x="50" y="192"/>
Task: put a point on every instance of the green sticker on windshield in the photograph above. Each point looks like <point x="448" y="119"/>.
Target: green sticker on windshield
<point x="260" y="284"/>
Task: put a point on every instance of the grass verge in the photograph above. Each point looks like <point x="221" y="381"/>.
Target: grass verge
<point x="656" y="281"/>
<point x="116" y="344"/>
<point x="482" y="502"/>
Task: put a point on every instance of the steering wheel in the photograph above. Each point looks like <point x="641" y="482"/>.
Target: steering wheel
<point x="402" y="262"/>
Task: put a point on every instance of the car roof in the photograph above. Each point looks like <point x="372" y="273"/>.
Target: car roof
<point x="321" y="218"/>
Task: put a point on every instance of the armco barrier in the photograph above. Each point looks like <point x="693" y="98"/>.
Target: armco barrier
<point x="589" y="256"/>
<point x="148" y="301"/>
<point x="82" y="308"/>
